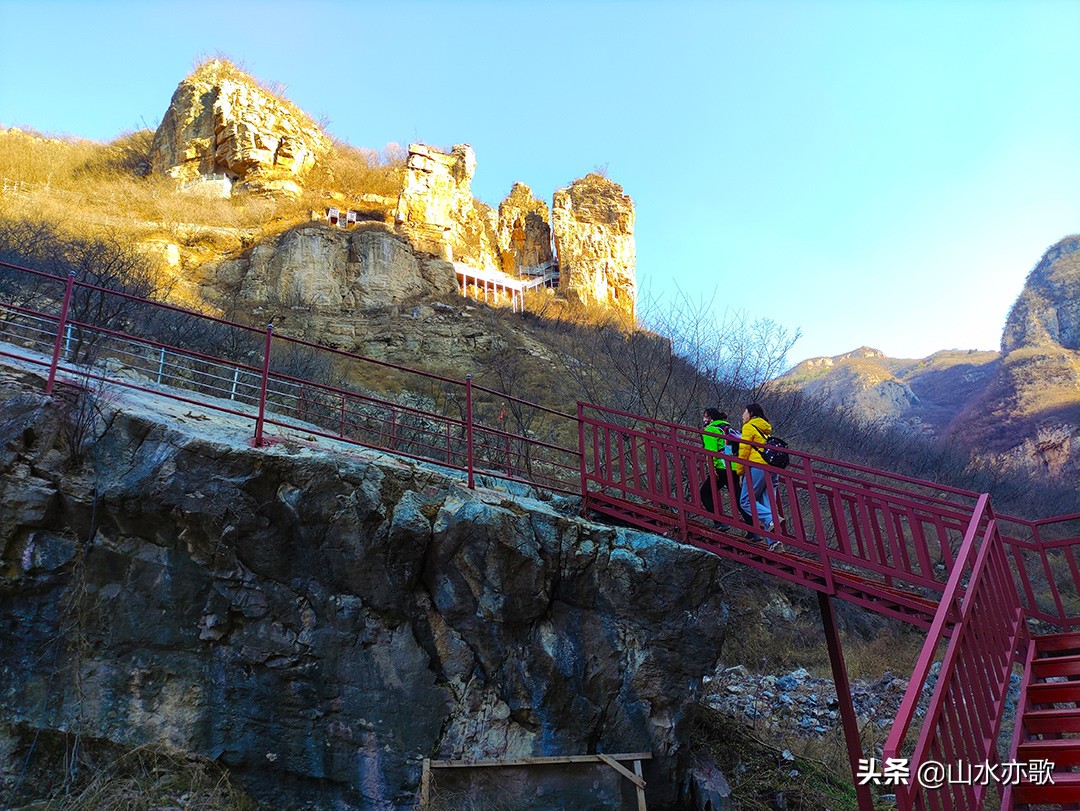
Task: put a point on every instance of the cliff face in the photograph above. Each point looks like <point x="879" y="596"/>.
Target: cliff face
<point x="220" y="121"/>
<point x="1029" y="415"/>
<point x="524" y="230"/>
<point x="436" y="209"/>
<point x="319" y="622"/>
<point x="1047" y="312"/>
<point x="593" y="223"/>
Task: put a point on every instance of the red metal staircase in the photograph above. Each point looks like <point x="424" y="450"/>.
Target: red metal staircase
<point x="1046" y="738"/>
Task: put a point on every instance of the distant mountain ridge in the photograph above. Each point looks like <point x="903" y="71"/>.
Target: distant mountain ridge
<point x="1018" y="408"/>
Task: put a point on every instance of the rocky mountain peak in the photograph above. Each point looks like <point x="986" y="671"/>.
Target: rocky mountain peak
<point x="221" y="121"/>
<point x="1047" y="311"/>
<point x="593" y="223"/>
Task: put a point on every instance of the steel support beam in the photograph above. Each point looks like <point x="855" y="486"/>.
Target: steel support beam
<point x="843" y="696"/>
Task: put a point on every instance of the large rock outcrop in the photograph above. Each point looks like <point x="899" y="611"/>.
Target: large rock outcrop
<point x="325" y="283"/>
<point x="1029" y="414"/>
<point x="437" y="211"/>
<point x="220" y="121"/>
<point x="319" y="622"/>
<point x="524" y="231"/>
<point x="364" y="290"/>
<point x="1047" y="312"/>
<point x="593" y="224"/>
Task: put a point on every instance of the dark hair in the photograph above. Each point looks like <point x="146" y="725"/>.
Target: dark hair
<point x="715" y="414"/>
<point x="756" y="410"/>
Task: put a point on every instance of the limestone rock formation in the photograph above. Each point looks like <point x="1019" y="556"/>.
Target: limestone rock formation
<point x="319" y="622"/>
<point x="436" y="209"/>
<point x="220" y="121"/>
<point x="1048" y="308"/>
<point x="364" y="290"/>
<point x="313" y="275"/>
<point x="593" y="223"/>
<point x="524" y="231"/>
<point x="1029" y="414"/>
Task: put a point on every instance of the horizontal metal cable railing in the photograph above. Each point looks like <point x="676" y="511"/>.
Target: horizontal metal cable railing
<point x="94" y="334"/>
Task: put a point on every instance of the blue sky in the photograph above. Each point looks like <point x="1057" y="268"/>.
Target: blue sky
<point x="871" y="173"/>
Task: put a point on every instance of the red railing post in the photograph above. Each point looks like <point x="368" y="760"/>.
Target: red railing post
<point x="60" y="332"/>
<point x="581" y="457"/>
<point x="469" y="430"/>
<point x="262" y="391"/>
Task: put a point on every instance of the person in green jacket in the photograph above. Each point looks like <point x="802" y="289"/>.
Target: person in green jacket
<point x="714" y="437"/>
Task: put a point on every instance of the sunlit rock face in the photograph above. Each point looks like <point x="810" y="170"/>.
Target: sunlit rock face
<point x="220" y="121"/>
<point x="524" y="231"/>
<point x="593" y="223"/>
<point x="1029" y="415"/>
<point x="1047" y="312"/>
<point x="436" y="209"/>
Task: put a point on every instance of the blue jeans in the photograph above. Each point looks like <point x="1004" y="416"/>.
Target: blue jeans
<point x="755" y="477"/>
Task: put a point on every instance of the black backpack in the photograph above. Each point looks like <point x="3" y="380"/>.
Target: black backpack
<point x="774" y="454"/>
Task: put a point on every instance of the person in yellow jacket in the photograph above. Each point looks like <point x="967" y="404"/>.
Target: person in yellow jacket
<point x="755" y="428"/>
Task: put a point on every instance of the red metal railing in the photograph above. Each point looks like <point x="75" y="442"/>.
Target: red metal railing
<point x="38" y="313"/>
<point x="964" y="717"/>
<point x="1044" y="555"/>
<point x="898" y="537"/>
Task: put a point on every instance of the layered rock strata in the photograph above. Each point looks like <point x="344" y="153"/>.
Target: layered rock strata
<point x="320" y="622"/>
<point x="593" y="225"/>
<point x="436" y="209"/>
<point x="221" y="122"/>
<point x="524" y="231"/>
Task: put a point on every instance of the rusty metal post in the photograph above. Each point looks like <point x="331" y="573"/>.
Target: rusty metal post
<point x="60" y="332"/>
<point x="469" y="430"/>
<point x="262" y="391"/>
<point x="843" y="697"/>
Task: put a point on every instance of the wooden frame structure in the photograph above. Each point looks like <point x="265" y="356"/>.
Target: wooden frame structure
<point x="614" y="761"/>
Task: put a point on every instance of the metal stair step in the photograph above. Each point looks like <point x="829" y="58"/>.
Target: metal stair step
<point x="1066" y="789"/>
<point x="1049" y="722"/>
<point x="1063" y="692"/>
<point x="1060" y="752"/>
<point x="1058" y="643"/>
<point x="1056" y="666"/>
